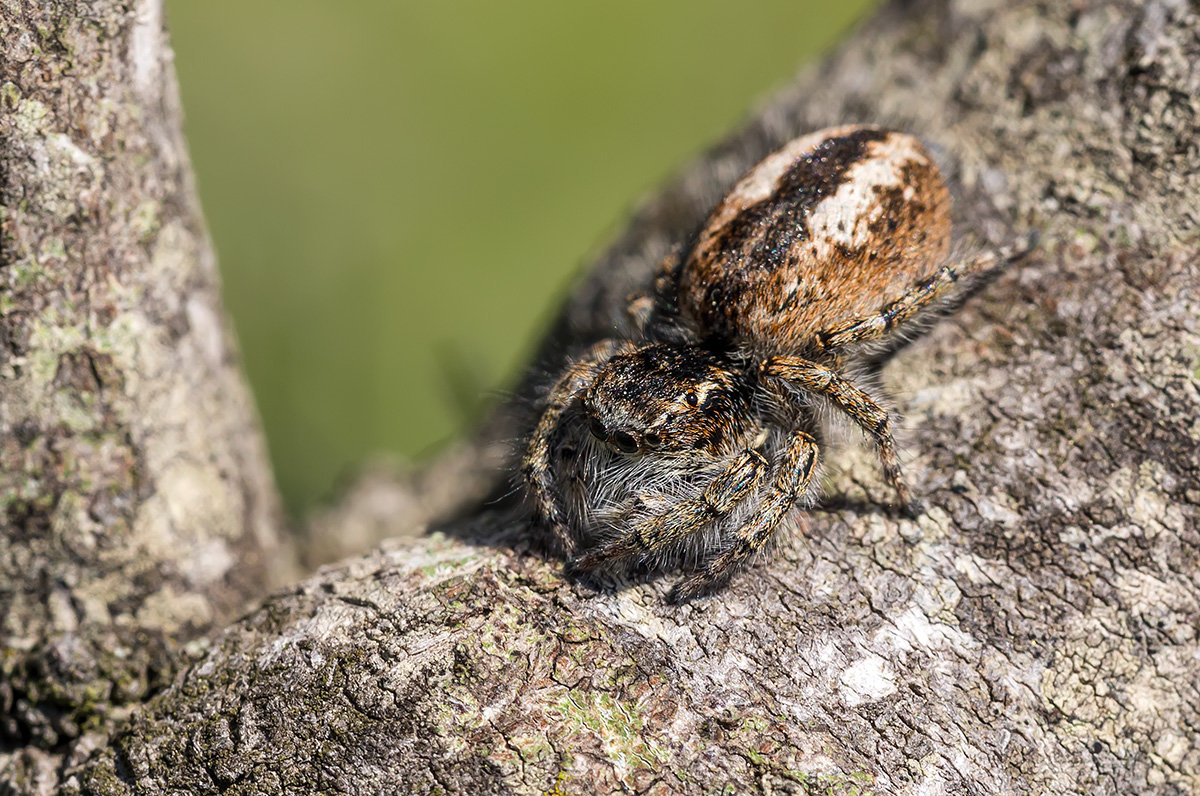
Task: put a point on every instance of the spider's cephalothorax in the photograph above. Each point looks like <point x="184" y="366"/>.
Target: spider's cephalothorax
<point x="668" y="400"/>
<point x="694" y="442"/>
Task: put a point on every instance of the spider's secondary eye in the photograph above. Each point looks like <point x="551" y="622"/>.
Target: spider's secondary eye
<point x="652" y="439"/>
<point x="597" y="429"/>
<point x="692" y="399"/>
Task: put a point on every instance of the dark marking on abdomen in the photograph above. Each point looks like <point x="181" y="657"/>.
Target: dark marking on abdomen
<point x="763" y="235"/>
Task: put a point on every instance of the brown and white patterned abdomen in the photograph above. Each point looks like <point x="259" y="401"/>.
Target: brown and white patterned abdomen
<point x="832" y="226"/>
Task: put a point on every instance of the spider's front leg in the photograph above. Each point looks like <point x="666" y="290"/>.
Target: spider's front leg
<point x="870" y="416"/>
<point x="736" y="482"/>
<point x="536" y="468"/>
<point x="793" y="483"/>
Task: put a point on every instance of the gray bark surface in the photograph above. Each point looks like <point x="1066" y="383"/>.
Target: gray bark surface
<point x="137" y="508"/>
<point x="1033" y="631"/>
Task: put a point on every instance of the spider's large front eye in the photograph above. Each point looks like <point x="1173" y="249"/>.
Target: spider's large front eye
<point x="597" y="429"/>
<point x="624" y="442"/>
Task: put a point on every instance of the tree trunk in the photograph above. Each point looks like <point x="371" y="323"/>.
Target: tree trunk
<point x="1033" y="631"/>
<point x="137" y="507"/>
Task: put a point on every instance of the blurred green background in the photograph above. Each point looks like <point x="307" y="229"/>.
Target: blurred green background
<point x="400" y="191"/>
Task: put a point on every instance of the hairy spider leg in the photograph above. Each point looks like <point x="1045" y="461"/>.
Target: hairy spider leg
<point x="536" y="468"/>
<point x="869" y="328"/>
<point x="851" y="399"/>
<point x="736" y="482"/>
<point x="651" y="306"/>
<point x="793" y="483"/>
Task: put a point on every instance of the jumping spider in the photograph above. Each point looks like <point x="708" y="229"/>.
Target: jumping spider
<point x="693" y="442"/>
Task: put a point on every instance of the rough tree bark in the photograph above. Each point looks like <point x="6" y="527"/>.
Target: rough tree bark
<point x="137" y="507"/>
<point x="1034" y="631"/>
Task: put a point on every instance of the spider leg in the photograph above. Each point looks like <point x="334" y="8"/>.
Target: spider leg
<point x="869" y="328"/>
<point x="536" y="469"/>
<point x="652" y="305"/>
<point x="851" y="399"/>
<point x="793" y="482"/>
<point x="737" y="481"/>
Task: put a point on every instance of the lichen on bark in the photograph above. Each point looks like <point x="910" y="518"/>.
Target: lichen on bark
<point x="136" y="506"/>
<point x="1033" y="631"/>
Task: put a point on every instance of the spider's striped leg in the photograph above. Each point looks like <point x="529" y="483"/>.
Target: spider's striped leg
<point x="536" y="468"/>
<point x="652" y="305"/>
<point x="740" y="478"/>
<point x="869" y="328"/>
<point x="845" y="395"/>
<point x="794" y="478"/>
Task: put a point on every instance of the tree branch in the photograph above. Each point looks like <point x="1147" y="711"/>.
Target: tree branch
<point x="1033" y="631"/>
<point x="136" y="504"/>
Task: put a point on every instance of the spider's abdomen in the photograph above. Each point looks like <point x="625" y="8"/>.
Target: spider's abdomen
<point x="833" y="226"/>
